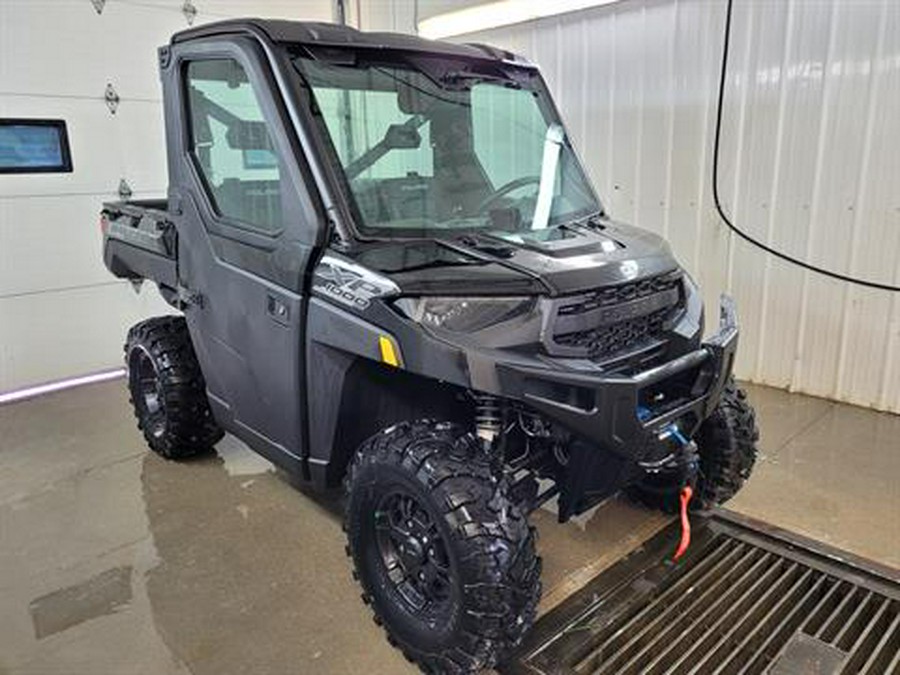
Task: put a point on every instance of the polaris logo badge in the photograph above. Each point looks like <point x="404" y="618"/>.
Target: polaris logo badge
<point x="603" y="316"/>
<point x="641" y="307"/>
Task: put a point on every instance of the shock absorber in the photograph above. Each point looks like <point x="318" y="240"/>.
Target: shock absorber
<point x="488" y="418"/>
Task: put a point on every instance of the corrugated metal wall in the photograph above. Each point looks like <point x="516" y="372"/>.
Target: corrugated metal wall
<point x="61" y="313"/>
<point x="809" y="163"/>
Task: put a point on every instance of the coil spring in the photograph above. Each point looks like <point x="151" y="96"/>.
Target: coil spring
<point x="488" y="420"/>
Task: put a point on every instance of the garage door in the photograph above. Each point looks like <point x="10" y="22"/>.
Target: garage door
<point x="61" y="313"/>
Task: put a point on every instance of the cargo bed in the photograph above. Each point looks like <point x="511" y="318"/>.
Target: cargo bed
<point x="140" y="241"/>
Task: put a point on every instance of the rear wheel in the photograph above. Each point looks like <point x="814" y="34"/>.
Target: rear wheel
<point x="167" y="389"/>
<point x="726" y="442"/>
<point x="445" y="559"/>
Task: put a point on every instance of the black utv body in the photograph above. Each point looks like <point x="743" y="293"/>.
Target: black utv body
<point x="392" y="271"/>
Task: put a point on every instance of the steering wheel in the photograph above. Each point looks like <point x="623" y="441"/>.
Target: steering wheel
<point x="505" y="189"/>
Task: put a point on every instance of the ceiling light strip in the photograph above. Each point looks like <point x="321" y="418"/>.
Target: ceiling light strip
<point x="499" y="13"/>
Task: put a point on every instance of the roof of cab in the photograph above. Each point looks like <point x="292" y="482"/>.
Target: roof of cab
<point x="321" y="34"/>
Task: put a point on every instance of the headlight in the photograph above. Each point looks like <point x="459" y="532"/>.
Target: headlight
<point x="463" y="315"/>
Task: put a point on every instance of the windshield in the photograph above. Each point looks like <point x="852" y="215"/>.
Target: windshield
<point x="425" y="155"/>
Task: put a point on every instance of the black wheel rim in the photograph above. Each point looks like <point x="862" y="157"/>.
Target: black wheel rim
<point x="414" y="555"/>
<point x="146" y="390"/>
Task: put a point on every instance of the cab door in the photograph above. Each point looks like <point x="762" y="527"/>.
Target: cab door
<point x="248" y="229"/>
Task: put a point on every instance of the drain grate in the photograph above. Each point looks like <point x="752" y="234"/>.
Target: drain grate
<point x="747" y="598"/>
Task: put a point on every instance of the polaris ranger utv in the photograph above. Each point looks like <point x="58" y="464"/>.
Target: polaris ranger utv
<point x="393" y="272"/>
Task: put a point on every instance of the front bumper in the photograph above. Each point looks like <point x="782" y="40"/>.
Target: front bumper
<point x="620" y="423"/>
<point x="603" y="411"/>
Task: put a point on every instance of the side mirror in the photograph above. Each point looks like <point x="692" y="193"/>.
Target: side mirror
<point x="248" y="135"/>
<point x="402" y="137"/>
<point x="397" y="137"/>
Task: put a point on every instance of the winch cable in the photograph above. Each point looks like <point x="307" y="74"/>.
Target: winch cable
<point x="715" y="183"/>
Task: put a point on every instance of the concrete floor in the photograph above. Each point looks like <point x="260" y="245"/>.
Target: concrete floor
<point x="114" y="561"/>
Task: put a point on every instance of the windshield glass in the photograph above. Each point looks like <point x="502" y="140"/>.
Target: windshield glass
<point x="423" y="155"/>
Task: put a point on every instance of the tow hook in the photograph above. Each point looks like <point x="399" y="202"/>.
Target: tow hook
<point x="684" y="499"/>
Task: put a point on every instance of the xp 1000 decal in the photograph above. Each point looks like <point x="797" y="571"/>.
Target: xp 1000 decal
<point x="349" y="283"/>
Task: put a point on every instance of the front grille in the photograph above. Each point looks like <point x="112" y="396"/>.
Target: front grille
<point x="616" y="295"/>
<point x="743" y="601"/>
<point x="618" y="337"/>
<point x="618" y="319"/>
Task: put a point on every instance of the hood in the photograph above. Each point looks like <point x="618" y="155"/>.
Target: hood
<point x="558" y="261"/>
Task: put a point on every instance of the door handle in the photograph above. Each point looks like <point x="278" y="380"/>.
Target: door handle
<point x="278" y="310"/>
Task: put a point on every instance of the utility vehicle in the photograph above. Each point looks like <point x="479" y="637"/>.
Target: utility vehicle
<point x="392" y="272"/>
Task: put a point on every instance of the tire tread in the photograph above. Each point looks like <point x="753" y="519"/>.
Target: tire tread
<point x="189" y="425"/>
<point x="494" y="544"/>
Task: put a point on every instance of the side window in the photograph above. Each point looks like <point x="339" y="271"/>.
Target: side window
<point x="232" y="146"/>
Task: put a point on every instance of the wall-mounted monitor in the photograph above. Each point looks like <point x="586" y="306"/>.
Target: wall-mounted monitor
<point x="34" y="146"/>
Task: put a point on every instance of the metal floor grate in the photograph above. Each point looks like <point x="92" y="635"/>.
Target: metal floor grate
<point x="747" y="598"/>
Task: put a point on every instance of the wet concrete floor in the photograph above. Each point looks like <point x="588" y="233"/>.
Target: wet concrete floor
<point x="115" y="561"/>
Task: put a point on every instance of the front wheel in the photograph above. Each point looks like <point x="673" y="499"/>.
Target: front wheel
<point x="445" y="558"/>
<point x="726" y="442"/>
